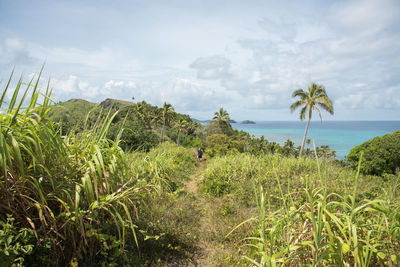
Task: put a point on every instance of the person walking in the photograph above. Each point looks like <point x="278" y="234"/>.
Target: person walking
<point x="200" y="154"/>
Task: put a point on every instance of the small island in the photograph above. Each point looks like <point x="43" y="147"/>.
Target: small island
<point x="248" y="122"/>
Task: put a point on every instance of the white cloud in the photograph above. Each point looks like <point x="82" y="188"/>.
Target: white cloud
<point x="73" y="86"/>
<point x="247" y="57"/>
<point x="67" y="86"/>
<point x="352" y="101"/>
<point x="366" y="17"/>
<point x="211" y="68"/>
<point x="14" y="51"/>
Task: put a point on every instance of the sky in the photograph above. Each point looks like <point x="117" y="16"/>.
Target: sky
<point x="245" y="56"/>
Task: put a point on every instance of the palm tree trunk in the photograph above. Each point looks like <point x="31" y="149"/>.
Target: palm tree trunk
<point x="162" y="131"/>
<point x="304" y="138"/>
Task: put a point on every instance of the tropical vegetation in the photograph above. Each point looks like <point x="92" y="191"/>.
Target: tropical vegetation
<point x="118" y="184"/>
<point x="381" y="155"/>
<point x="313" y="99"/>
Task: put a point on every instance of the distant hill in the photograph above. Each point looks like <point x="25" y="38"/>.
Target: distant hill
<point x="248" y="122"/>
<point x="114" y="102"/>
<point x="71" y="112"/>
<point x="208" y="121"/>
<point x="76" y="110"/>
<point x="142" y="121"/>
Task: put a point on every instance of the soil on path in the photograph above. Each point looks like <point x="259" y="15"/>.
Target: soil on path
<point x="206" y="254"/>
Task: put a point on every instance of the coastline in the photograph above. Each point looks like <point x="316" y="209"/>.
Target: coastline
<point x="340" y="136"/>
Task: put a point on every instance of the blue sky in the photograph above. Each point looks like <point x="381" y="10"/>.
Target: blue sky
<point x="245" y="56"/>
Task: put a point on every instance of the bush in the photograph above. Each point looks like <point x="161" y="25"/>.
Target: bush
<point x="218" y="127"/>
<point x="134" y="136"/>
<point x="192" y="142"/>
<point x="221" y="144"/>
<point x="15" y="243"/>
<point x="381" y="155"/>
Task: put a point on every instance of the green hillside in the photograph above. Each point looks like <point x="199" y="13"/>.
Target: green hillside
<point x="126" y="189"/>
<point x="71" y="112"/>
<point x="143" y="122"/>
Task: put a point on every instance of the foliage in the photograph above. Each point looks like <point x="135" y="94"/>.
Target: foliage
<point x="239" y="141"/>
<point x="315" y="98"/>
<point x="164" y="166"/>
<point x="134" y="136"/>
<point x="15" y="243"/>
<point x="288" y="148"/>
<point x="79" y="199"/>
<point x="215" y="127"/>
<point x="192" y="141"/>
<point x="143" y="122"/>
<point x="70" y="114"/>
<point x="319" y="227"/>
<point x="221" y="115"/>
<point x="166" y="113"/>
<point x="381" y="155"/>
<point x="261" y="146"/>
<point x="235" y="175"/>
<point x="219" y="125"/>
<point x="221" y="144"/>
<point x="167" y="216"/>
<point x="73" y="191"/>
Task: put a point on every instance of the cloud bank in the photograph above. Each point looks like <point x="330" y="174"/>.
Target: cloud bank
<point x="246" y="57"/>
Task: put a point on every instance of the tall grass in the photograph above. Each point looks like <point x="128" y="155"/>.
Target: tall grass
<point x="234" y="175"/>
<point x="73" y="192"/>
<point x="319" y="227"/>
<point x="165" y="166"/>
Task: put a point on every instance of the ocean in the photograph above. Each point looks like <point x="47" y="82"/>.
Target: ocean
<point x="340" y="136"/>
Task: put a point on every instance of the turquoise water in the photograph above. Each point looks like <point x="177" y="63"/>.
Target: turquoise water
<point x="340" y="136"/>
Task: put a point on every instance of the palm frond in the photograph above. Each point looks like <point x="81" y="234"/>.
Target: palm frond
<point x="303" y="113"/>
<point x="316" y="90"/>
<point x="221" y="115"/>
<point x="319" y="112"/>
<point x="295" y="105"/>
<point x="327" y="105"/>
<point x="301" y="93"/>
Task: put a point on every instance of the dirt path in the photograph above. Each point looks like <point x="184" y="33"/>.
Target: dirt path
<point x="207" y="249"/>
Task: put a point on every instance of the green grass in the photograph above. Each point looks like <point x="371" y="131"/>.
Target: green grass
<point x="165" y="166"/>
<point x="78" y="198"/>
<point x="321" y="225"/>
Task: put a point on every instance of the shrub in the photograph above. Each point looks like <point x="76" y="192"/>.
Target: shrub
<point x="15" y="243"/>
<point x="381" y="155"/>
<point x="134" y="136"/>
<point x="221" y="144"/>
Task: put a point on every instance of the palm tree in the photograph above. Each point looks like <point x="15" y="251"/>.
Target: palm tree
<point x="139" y="111"/>
<point x="314" y="98"/>
<point x="155" y="119"/>
<point x="181" y="125"/>
<point x="142" y="112"/>
<point x="166" y="112"/>
<point x="221" y="116"/>
<point x="221" y="123"/>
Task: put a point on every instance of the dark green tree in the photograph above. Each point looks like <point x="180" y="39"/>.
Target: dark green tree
<point x="381" y="155"/>
<point x="181" y="125"/>
<point x="167" y="112"/>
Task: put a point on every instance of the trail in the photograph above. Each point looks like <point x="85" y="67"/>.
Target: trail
<point x="207" y="248"/>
